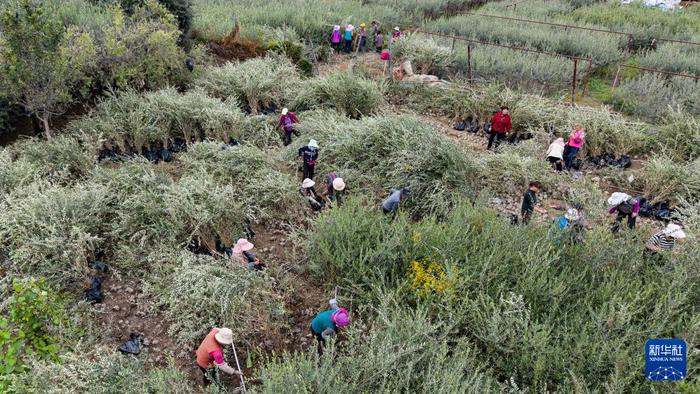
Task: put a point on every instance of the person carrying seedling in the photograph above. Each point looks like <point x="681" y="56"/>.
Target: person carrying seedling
<point x="348" y="38"/>
<point x="307" y="190"/>
<point x="362" y="38"/>
<point x="576" y="140"/>
<point x="391" y="204"/>
<point x="530" y="202"/>
<point x="335" y="188"/>
<point x="210" y="354"/>
<point x="665" y="239"/>
<point x="309" y="155"/>
<point x="242" y="254"/>
<point x="326" y="323"/>
<point x="555" y="153"/>
<point x="625" y="206"/>
<point x="500" y="126"/>
<point x="287" y="122"/>
<point x="335" y="38"/>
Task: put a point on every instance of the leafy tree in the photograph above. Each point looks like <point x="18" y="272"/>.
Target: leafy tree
<point x="182" y="9"/>
<point x="44" y="67"/>
<point x="140" y="50"/>
<point x="25" y="329"/>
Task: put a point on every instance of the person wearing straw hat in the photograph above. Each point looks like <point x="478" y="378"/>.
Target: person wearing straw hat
<point x="210" y="353"/>
<point x="307" y="191"/>
<point x="242" y="254"/>
<point x="287" y="122"/>
<point x="326" y="323"/>
<point x="309" y="155"/>
<point x="348" y="38"/>
<point x="665" y="239"/>
<point x="335" y="187"/>
<point x="362" y="38"/>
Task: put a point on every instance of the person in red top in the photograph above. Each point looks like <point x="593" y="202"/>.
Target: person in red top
<point x="500" y="126"/>
<point x="210" y="353"/>
<point x="287" y="122"/>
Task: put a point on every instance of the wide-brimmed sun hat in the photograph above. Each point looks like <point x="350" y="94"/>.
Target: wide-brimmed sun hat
<point x="307" y="183"/>
<point x="336" y="27"/>
<point x="242" y="245"/>
<point x="313" y="144"/>
<point x="284" y="111"/>
<point x="224" y="336"/>
<point x="338" y="184"/>
<point x="675" y="231"/>
<point x="362" y="24"/>
<point x="571" y="214"/>
<point x="618" y="198"/>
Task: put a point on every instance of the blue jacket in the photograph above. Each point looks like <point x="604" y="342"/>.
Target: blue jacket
<point x="322" y="321"/>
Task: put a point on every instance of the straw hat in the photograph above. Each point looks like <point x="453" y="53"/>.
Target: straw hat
<point x="313" y="144"/>
<point x="242" y="245"/>
<point x="363" y="24"/>
<point x="571" y="214"/>
<point x="307" y="183"/>
<point x="284" y="111"/>
<point x="675" y="231"/>
<point x="618" y="198"/>
<point x="338" y="184"/>
<point x="224" y="336"/>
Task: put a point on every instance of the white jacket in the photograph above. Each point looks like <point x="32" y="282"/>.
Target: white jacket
<point x="556" y="149"/>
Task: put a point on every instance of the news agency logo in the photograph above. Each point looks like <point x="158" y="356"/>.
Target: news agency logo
<point x="665" y="359"/>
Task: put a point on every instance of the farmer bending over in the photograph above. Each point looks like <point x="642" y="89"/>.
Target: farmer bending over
<point x="210" y="353"/>
<point x="335" y="188"/>
<point x="391" y="204"/>
<point x="555" y="153"/>
<point x="242" y="254"/>
<point x="664" y="239"/>
<point x="530" y="202"/>
<point x="307" y="190"/>
<point x="326" y="323"/>
<point x="626" y="206"/>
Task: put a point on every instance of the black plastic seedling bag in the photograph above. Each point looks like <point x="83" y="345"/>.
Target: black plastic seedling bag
<point x="133" y="345"/>
<point x="94" y="294"/>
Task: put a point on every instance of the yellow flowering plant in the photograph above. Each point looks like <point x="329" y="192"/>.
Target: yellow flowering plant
<point x="428" y="277"/>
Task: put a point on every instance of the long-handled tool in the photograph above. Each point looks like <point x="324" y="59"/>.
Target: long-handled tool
<point x="238" y="366"/>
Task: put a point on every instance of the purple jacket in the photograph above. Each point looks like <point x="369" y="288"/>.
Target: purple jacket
<point x="335" y="37"/>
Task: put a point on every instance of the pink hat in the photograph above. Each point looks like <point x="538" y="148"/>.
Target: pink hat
<point x="242" y="245"/>
<point x="341" y="318"/>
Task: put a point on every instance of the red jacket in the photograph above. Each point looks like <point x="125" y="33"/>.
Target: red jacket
<point x="501" y="124"/>
<point x="292" y="116"/>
